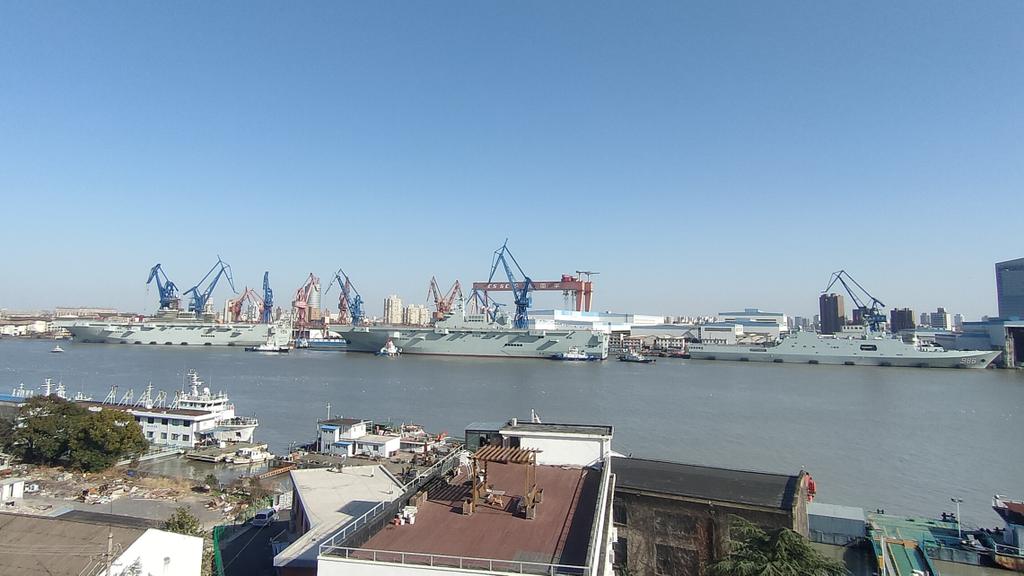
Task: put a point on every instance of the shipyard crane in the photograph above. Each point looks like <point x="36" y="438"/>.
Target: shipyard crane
<point x="350" y="303"/>
<point x="443" y="304"/>
<point x="267" y="311"/>
<point x="870" y="307"/>
<point x="520" y="289"/>
<point x="235" y="304"/>
<point x="201" y="297"/>
<point x="301" y="303"/>
<point x="168" y="291"/>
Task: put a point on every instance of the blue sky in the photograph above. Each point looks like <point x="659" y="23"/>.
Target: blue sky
<point x="701" y="156"/>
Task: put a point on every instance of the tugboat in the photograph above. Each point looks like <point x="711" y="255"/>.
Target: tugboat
<point x="636" y="357"/>
<point x="56" y="349"/>
<point x="268" y="347"/>
<point x="389" y="350"/>
<point x="1009" y="553"/>
<point x="574" y="354"/>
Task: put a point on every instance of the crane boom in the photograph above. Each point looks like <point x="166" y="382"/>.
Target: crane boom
<point x="869" y="306"/>
<point x="267" y="312"/>
<point x="350" y="303"/>
<point x="520" y="290"/>
<point x="168" y="291"/>
<point x="201" y="297"/>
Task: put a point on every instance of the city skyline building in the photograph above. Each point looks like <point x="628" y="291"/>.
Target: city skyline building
<point x="1010" y="288"/>
<point x="832" y="312"/>
<point x="901" y="319"/>
<point x="940" y="319"/>
<point x="392" y="309"/>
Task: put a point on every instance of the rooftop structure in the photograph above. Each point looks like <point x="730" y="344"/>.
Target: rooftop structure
<point x="502" y="510"/>
<point x="64" y="547"/>
<point x="324" y="500"/>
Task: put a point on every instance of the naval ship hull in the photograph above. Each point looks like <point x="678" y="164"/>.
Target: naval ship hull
<point x="800" y="349"/>
<point x="177" y="333"/>
<point x="489" y="343"/>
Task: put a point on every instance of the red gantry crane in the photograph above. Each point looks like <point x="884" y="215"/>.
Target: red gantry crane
<point x="235" y="305"/>
<point x="443" y="304"/>
<point x="301" y="304"/>
<point x="581" y="290"/>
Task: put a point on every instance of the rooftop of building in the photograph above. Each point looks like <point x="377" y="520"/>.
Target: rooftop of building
<point x="556" y="428"/>
<point x="706" y="483"/>
<point x="57" y="546"/>
<point x="376" y="439"/>
<point x="560" y="533"/>
<point x="330" y="500"/>
<point x="343" y="421"/>
<point x="751" y="312"/>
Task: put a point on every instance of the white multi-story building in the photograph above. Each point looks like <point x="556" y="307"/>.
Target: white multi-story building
<point x="755" y="320"/>
<point x="393" y="309"/>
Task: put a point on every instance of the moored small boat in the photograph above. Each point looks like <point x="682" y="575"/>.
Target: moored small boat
<point x="574" y="354"/>
<point x="636" y="357"/>
<point x="57" y="349"/>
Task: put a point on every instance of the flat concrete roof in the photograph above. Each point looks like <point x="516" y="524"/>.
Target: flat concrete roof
<point x="330" y="500"/>
<point x="28" y="543"/>
<point x="559" y="534"/>
<point x="588" y="429"/>
<point x="705" y="483"/>
<point x="376" y="439"/>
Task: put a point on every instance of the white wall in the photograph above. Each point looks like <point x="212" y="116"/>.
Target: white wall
<point x="163" y="554"/>
<point x="344" y="567"/>
<point x="566" y="451"/>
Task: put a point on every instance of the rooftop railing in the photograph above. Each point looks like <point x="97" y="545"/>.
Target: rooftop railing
<point x="460" y="562"/>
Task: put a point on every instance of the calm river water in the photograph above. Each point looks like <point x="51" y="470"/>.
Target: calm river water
<point x="903" y="439"/>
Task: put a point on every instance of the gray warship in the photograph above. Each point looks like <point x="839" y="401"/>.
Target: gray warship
<point x="170" y="328"/>
<point x="866" y="348"/>
<point x="461" y="333"/>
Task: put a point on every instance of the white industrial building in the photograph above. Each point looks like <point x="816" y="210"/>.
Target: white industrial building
<point x="757" y="319"/>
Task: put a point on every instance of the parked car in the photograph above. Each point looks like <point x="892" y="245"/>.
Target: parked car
<point x="264" y="517"/>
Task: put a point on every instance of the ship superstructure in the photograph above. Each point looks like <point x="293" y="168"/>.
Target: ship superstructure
<point x="468" y="334"/>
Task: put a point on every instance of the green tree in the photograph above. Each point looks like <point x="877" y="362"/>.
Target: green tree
<point x="45" y="426"/>
<point x="54" y="431"/>
<point x="102" y="438"/>
<point x="782" y="552"/>
<point x="184" y="522"/>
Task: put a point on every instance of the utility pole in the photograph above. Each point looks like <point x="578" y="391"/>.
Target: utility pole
<point x="110" y="549"/>
<point x="959" y="530"/>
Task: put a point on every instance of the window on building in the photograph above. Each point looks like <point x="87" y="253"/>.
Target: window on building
<point x="184" y="437"/>
<point x="150" y="419"/>
<point x="163" y="435"/>
<point x="619" y="551"/>
<point x="174" y="436"/>
<point x="149" y="434"/>
<point x="619" y="514"/>
<point x="675" y="560"/>
<point x="175" y="422"/>
<point x="164" y="421"/>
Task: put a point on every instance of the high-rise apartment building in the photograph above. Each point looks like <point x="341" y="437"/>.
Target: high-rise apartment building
<point x="926" y="320"/>
<point x="941" y="320"/>
<point x="393" y="309"/>
<point x="833" y="314"/>
<point x="1010" y="288"/>
<point x="901" y="319"/>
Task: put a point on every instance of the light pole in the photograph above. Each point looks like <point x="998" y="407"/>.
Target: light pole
<point x="958" y="501"/>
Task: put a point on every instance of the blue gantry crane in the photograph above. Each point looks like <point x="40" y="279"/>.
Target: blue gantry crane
<point x="267" y="313"/>
<point x="870" y="312"/>
<point x="168" y="291"/>
<point x="520" y="289"/>
<point x="201" y="297"/>
<point x="350" y="303"/>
